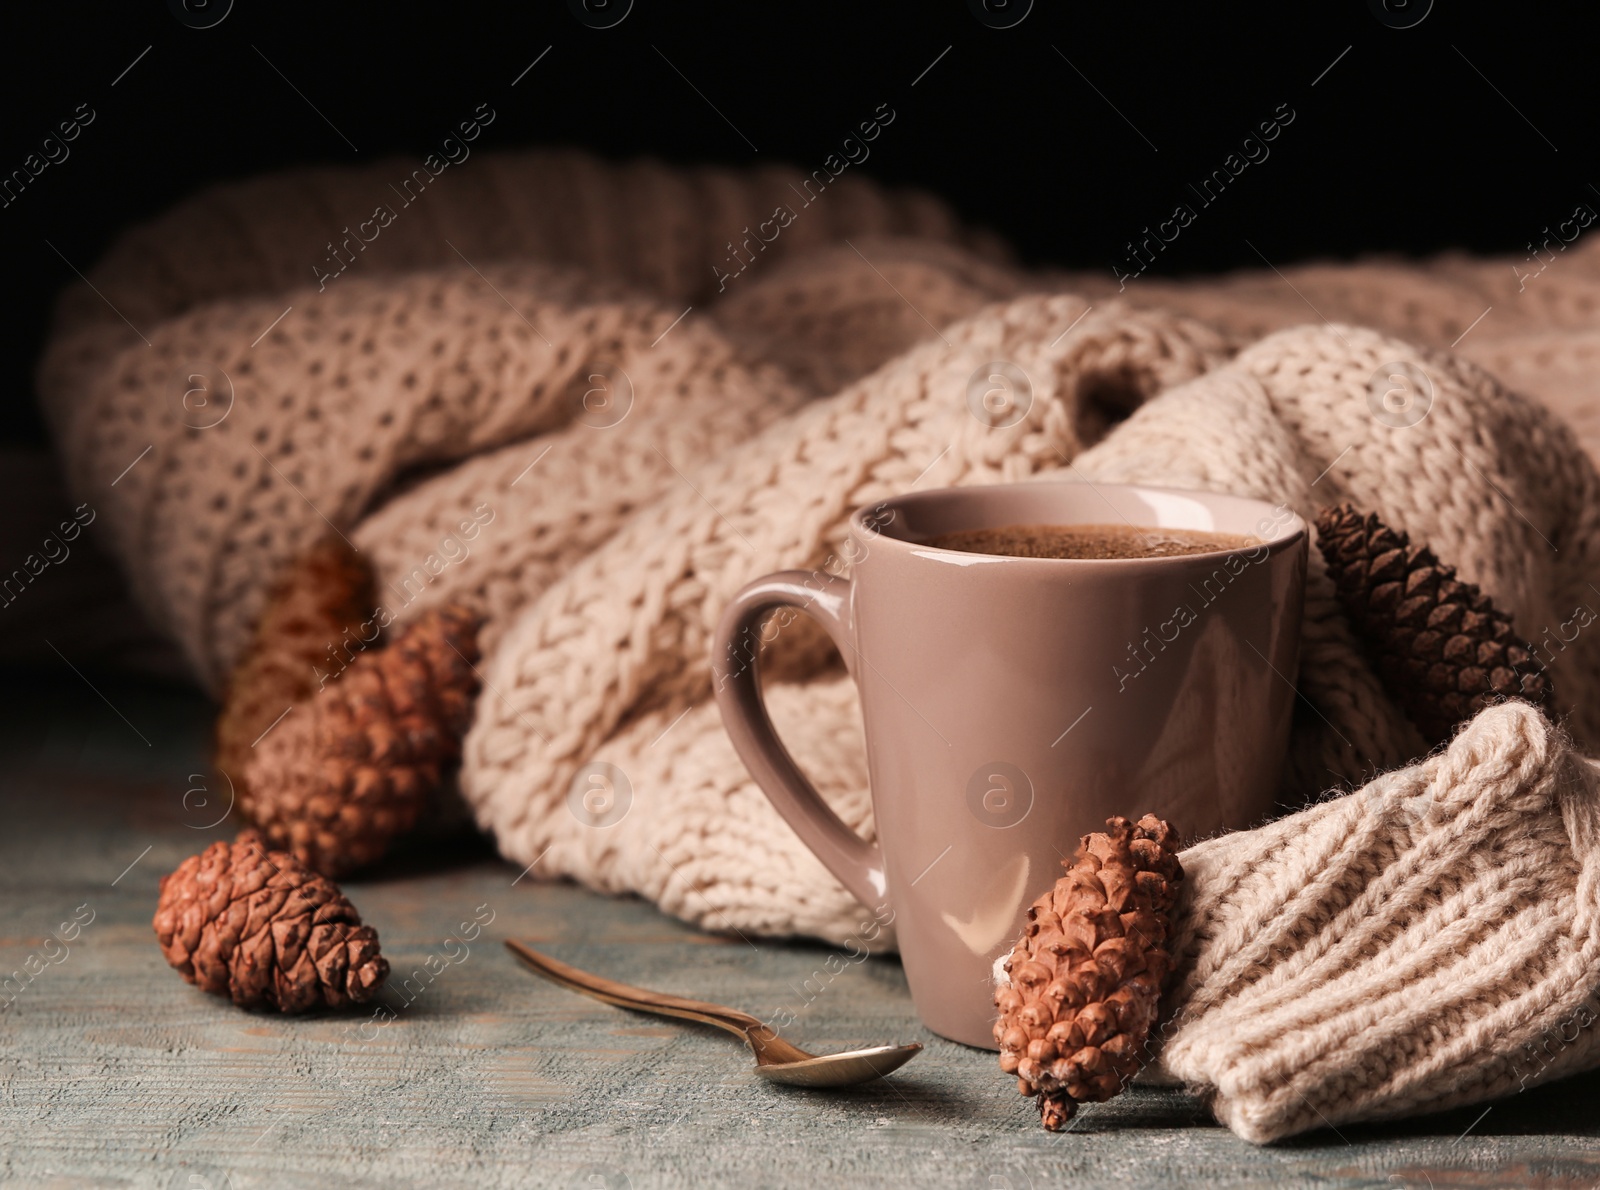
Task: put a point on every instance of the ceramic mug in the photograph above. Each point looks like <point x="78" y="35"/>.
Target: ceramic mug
<point x="1012" y="704"/>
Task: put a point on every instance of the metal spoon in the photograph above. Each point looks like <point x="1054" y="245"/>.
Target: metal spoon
<point x="776" y="1060"/>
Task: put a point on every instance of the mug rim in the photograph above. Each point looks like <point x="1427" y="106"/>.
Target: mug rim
<point x="1294" y="530"/>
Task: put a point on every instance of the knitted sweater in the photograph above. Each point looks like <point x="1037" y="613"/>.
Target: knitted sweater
<point x="533" y="393"/>
<point x="1427" y="942"/>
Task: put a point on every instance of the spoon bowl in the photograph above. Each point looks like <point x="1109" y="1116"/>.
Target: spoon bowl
<point x="777" y="1060"/>
<point x="840" y="1070"/>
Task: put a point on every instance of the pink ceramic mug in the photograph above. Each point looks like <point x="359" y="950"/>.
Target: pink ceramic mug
<point x="1013" y="704"/>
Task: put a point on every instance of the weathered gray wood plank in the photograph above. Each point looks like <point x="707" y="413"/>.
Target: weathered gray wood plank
<point x="115" y="1072"/>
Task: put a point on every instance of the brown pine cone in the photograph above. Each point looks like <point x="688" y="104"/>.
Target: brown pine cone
<point x="1441" y="646"/>
<point x="310" y="626"/>
<point x="238" y="920"/>
<point x="1085" y="978"/>
<point x="352" y="768"/>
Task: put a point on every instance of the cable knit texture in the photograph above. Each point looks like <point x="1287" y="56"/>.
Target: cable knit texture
<point x="1426" y="942"/>
<point x="533" y="396"/>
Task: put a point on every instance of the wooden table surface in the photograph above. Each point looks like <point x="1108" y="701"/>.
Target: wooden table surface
<point x="116" y="1072"/>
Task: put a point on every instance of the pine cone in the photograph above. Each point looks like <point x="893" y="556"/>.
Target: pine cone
<point x="238" y="920"/>
<point x="353" y="767"/>
<point x="1440" y="645"/>
<point x="307" y="630"/>
<point x="1085" y="978"/>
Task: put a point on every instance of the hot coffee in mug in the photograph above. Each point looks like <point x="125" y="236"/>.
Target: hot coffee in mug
<point x="1032" y="659"/>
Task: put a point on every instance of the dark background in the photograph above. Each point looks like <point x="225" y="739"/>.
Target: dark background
<point x="1471" y="128"/>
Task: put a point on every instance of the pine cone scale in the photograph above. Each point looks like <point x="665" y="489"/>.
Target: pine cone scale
<point x="324" y="595"/>
<point x="1440" y="644"/>
<point x="1084" y="979"/>
<point x="355" y="769"/>
<point x="265" y="930"/>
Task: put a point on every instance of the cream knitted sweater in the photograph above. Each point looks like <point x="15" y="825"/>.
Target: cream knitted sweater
<point x="532" y="392"/>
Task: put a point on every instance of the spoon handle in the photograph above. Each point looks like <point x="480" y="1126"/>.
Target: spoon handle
<point x="626" y="996"/>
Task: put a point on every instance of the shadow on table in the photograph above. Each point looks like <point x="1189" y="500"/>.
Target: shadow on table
<point x="1565" y="1108"/>
<point x="431" y="850"/>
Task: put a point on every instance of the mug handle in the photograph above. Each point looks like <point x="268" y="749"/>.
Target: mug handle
<point x="857" y="863"/>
